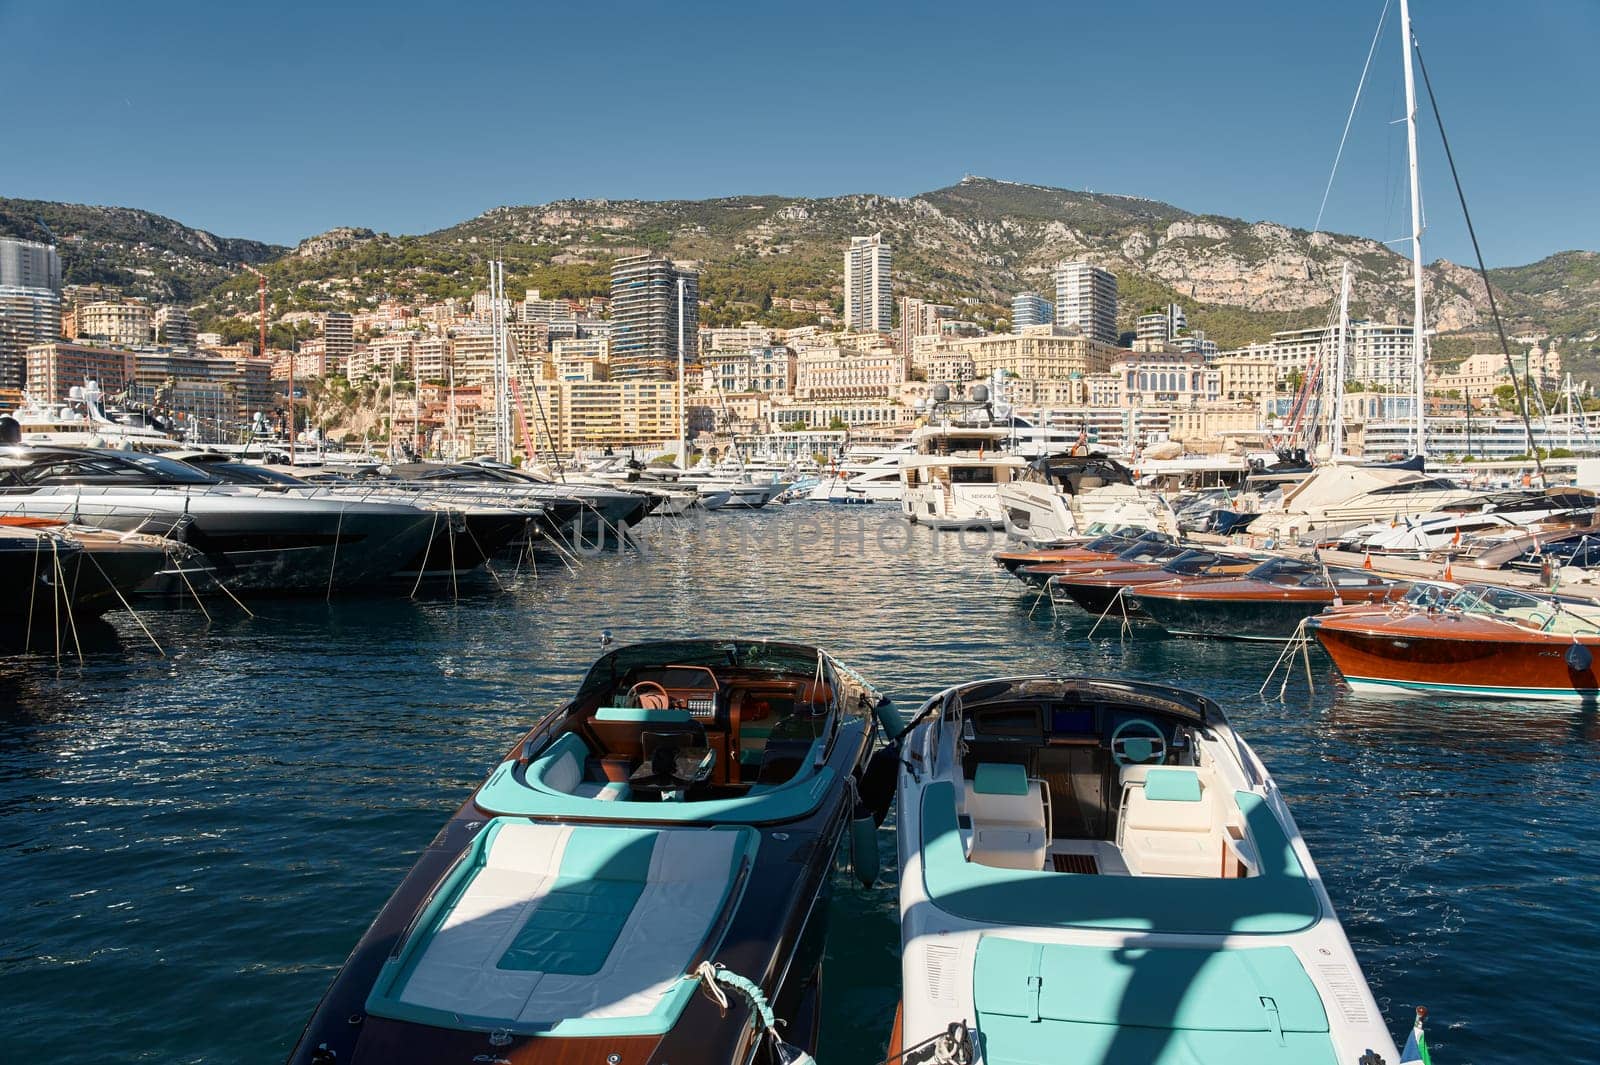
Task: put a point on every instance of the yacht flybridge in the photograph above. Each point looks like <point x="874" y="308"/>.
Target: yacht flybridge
<point x="641" y="879"/>
<point x="1096" y="871"/>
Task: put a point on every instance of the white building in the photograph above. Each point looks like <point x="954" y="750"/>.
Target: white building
<point x="868" y="285"/>
<point x="1030" y="308"/>
<point x="1086" y="297"/>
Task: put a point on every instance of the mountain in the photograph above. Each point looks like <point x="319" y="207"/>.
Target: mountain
<point x="142" y="253"/>
<point x="973" y="244"/>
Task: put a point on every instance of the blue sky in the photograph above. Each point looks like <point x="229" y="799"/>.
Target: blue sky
<point x="280" y="120"/>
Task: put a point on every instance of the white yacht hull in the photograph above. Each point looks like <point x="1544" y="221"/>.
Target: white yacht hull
<point x="956" y="506"/>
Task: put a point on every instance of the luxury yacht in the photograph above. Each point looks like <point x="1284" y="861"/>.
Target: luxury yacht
<point x="1054" y="497"/>
<point x="466" y="532"/>
<point x="83" y="421"/>
<point x="643" y="877"/>
<point x="254" y="539"/>
<point x="1340" y="495"/>
<point x="1098" y="871"/>
<point x="951" y="481"/>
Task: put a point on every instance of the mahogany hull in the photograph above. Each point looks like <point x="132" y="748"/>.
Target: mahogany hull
<point x="1424" y="653"/>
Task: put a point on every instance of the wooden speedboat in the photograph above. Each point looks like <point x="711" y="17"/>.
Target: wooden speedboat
<point x="1095" y="590"/>
<point x="1479" y="641"/>
<point x="1141" y="554"/>
<point x="1106" y="545"/>
<point x="1096" y="871"/>
<point x="679" y="818"/>
<point x="1267" y="603"/>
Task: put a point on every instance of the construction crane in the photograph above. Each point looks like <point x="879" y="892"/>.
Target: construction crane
<point x="261" y="288"/>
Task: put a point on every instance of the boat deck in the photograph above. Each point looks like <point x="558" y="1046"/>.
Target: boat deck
<point x="568" y="931"/>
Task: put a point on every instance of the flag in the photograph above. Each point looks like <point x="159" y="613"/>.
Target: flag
<point x="1417" y="1045"/>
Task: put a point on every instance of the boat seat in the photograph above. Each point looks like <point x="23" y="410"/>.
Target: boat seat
<point x="1168" y="825"/>
<point x="561" y="767"/>
<point x="1009" y="827"/>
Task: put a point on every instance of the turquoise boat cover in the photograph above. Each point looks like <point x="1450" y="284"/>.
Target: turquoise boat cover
<point x="1064" y="1004"/>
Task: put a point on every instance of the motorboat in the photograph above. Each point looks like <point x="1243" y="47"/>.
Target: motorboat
<point x="466" y="532"/>
<point x="1050" y="499"/>
<point x="1267" y="603"/>
<point x="1097" y="590"/>
<point x="1094" y="871"/>
<point x="592" y="510"/>
<point x="52" y="569"/>
<point x="1477" y="520"/>
<point x="1141" y="554"/>
<point x="642" y="878"/>
<point x="1035" y="567"/>
<point x="253" y="539"/>
<point x="1475" y="640"/>
<point x="1015" y="557"/>
<point x="1341" y="495"/>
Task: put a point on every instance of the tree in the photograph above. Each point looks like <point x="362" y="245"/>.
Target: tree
<point x="837" y="424"/>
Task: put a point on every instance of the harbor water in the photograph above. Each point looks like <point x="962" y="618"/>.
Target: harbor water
<point x="191" y="842"/>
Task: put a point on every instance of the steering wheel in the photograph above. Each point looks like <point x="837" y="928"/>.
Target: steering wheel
<point x="1148" y="745"/>
<point x="634" y="697"/>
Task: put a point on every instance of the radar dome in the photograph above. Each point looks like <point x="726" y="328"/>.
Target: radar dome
<point x="941" y="393"/>
<point x="980" y="393"/>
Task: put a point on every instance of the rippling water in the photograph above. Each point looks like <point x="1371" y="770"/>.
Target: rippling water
<point x="190" y="844"/>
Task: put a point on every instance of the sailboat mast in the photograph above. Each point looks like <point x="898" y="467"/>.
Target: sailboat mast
<point x="1336" y="416"/>
<point x="683" y="411"/>
<point x="1419" y="356"/>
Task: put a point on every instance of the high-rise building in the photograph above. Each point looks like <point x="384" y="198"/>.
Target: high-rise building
<point x="919" y="318"/>
<point x="1086" y="297"/>
<point x="30" y="304"/>
<point x="339" y="336"/>
<point x="868" y="286"/>
<point x="1030" y="308"/>
<point x="174" y="327"/>
<point x="1161" y="327"/>
<point x="29" y="264"/>
<point x="644" y="317"/>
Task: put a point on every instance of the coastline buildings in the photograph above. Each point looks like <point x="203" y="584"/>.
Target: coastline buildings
<point x="868" y="286"/>
<point x="30" y="304"/>
<point x="1086" y="297"/>
<point x="1030" y="309"/>
<point x="644" y="317"/>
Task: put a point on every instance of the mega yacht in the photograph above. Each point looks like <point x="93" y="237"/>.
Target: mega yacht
<point x="1097" y="871"/>
<point x="84" y="421"/>
<point x="642" y="878"/>
<point x="951" y="479"/>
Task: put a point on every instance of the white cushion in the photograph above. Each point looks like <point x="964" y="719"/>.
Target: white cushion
<point x="1167" y="815"/>
<point x="1008" y="831"/>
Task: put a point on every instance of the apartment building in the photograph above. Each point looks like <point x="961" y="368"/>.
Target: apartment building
<point x="840" y="373"/>
<point x="1040" y="353"/>
<point x="868" y="285"/>
<point x="645" y="325"/>
<point x="1086" y="299"/>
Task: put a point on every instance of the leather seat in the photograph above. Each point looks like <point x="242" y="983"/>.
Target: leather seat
<point x="1007" y="811"/>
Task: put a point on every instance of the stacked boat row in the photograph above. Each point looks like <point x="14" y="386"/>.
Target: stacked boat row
<point x="1090" y="871"/>
<point x="1382" y="632"/>
<point x="96" y="526"/>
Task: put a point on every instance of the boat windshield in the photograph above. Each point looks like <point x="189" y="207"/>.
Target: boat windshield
<point x="742" y="654"/>
<point x="1151" y="551"/>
